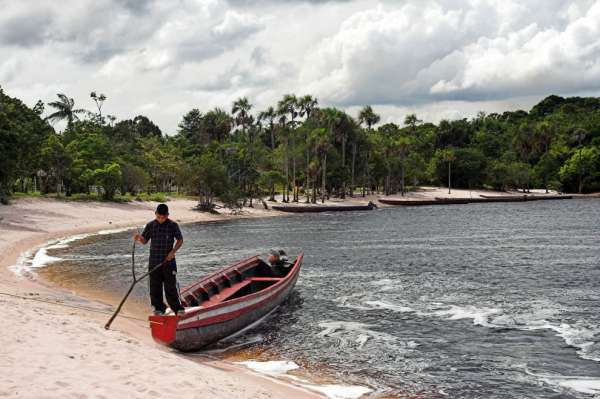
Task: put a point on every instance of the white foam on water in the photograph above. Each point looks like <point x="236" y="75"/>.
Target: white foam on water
<point x="582" y="385"/>
<point x="280" y="368"/>
<point x="271" y="367"/>
<point x="38" y="257"/>
<point x="580" y="337"/>
<point x="42" y="259"/>
<point x="389" y="306"/>
<point x="355" y="335"/>
<point x="588" y="385"/>
<point x="387" y="284"/>
<point x="335" y="391"/>
<point x="479" y="315"/>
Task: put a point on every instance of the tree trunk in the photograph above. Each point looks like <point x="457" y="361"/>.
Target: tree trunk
<point x="286" y="195"/>
<point x="353" y="164"/>
<point x="344" y="166"/>
<point x="323" y="182"/>
<point x="402" y="177"/>
<point x="580" y="172"/>
<point x="449" y="187"/>
<point x="307" y="171"/>
<point x="294" y="187"/>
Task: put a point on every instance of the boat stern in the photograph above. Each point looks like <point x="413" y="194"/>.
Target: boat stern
<point x="164" y="328"/>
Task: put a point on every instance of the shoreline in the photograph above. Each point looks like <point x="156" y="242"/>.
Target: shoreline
<point x="64" y="337"/>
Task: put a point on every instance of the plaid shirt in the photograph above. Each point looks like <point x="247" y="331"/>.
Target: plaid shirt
<point x="161" y="237"/>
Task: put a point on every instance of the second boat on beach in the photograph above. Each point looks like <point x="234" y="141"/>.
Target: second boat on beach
<point x="225" y="302"/>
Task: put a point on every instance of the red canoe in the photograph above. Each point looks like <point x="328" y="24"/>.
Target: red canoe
<point x="225" y="302"/>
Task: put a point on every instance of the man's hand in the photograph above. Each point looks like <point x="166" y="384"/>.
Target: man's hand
<point x="139" y="238"/>
<point x="170" y="256"/>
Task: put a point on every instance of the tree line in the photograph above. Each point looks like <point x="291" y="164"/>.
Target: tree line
<point x="295" y="148"/>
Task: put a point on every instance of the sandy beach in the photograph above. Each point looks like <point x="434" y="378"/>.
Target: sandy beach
<point x="56" y="351"/>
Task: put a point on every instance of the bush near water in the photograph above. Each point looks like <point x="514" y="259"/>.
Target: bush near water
<point x="294" y="147"/>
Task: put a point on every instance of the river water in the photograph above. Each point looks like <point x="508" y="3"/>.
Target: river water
<point x="463" y="301"/>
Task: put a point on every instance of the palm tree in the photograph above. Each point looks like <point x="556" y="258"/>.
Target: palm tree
<point x="368" y="117"/>
<point x="269" y="115"/>
<point x="307" y="104"/>
<point x="321" y="139"/>
<point x="65" y="109"/>
<point x="403" y="144"/>
<point x="448" y="156"/>
<point x="289" y="105"/>
<point x="241" y="112"/>
<point x="412" y="121"/>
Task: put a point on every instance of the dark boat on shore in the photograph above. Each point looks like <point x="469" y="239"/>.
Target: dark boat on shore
<point x="226" y="302"/>
<point x="524" y="197"/>
<point x="323" y="208"/>
<point x="481" y="199"/>
<point x="417" y="202"/>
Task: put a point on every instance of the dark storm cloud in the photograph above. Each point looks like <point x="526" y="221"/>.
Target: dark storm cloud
<point x="25" y="30"/>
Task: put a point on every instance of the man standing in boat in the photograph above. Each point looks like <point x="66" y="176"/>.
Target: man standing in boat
<point x="162" y="233"/>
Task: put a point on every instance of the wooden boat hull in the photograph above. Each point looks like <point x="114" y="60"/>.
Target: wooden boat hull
<point x="317" y="208"/>
<point x="482" y="199"/>
<point x="441" y="201"/>
<point x="215" y="319"/>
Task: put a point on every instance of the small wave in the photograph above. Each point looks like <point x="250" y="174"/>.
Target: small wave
<point x="336" y="391"/>
<point x="279" y="368"/>
<point x="479" y="315"/>
<point x="357" y="335"/>
<point x="579" y="336"/>
<point x="271" y="367"/>
<point x="389" y="306"/>
<point x="587" y="385"/>
<point x="38" y="257"/>
<point x="387" y="284"/>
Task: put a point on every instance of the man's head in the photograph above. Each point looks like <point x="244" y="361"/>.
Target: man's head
<point x="273" y="256"/>
<point x="162" y="213"/>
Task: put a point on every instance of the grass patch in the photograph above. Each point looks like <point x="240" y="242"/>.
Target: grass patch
<point x="119" y="198"/>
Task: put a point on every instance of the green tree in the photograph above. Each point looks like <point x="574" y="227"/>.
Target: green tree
<point x="109" y="178"/>
<point x="55" y="160"/>
<point x="582" y="166"/>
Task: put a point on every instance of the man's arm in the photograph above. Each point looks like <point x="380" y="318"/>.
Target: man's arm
<point x="144" y="237"/>
<point x="178" y="242"/>
<point x="139" y="238"/>
<point x="178" y="245"/>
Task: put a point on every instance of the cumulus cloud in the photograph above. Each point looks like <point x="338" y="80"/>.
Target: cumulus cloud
<point x="436" y="50"/>
<point x="439" y="58"/>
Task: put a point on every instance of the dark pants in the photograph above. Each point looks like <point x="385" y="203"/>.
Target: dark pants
<point x="165" y="276"/>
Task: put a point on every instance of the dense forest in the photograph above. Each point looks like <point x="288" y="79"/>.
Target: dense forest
<point x="294" y="148"/>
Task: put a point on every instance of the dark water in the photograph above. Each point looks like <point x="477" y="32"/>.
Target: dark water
<point x="469" y="301"/>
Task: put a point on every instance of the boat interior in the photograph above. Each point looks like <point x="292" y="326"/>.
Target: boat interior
<point x="236" y="281"/>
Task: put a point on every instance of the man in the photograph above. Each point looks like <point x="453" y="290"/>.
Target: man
<point x="163" y="232"/>
<point x="277" y="257"/>
<point x="279" y="263"/>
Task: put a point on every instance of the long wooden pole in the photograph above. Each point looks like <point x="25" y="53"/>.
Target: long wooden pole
<point x="135" y="281"/>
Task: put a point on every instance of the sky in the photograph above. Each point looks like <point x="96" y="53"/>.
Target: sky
<point x="440" y="59"/>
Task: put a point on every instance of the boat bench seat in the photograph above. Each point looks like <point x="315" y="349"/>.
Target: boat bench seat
<point x="225" y="293"/>
<point x="266" y="278"/>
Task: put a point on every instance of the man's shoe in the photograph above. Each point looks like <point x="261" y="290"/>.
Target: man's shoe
<point x="159" y="313"/>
